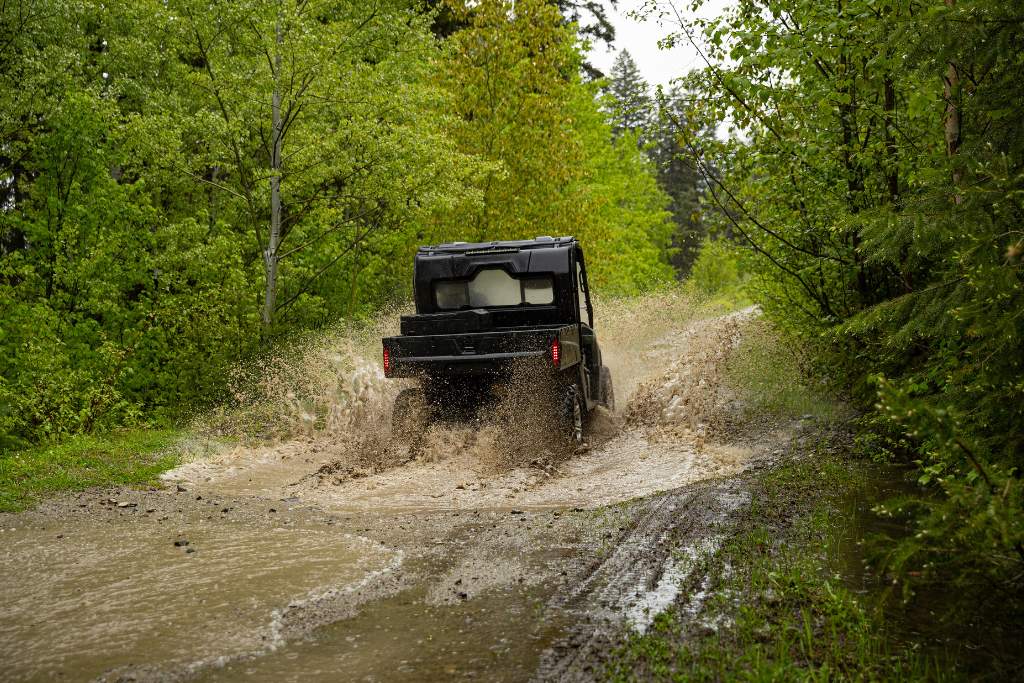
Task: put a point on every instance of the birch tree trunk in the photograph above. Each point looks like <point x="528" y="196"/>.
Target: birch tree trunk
<point x="270" y="256"/>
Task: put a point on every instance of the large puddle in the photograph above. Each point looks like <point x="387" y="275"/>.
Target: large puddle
<point x="919" y="621"/>
<point x="498" y="637"/>
<point x="79" y="599"/>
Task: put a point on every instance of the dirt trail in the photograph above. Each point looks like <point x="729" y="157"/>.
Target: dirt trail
<point x="294" y="539"/>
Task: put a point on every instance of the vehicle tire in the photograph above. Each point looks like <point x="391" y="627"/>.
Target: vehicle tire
<point x="411" y="416"/>
<point x="607" y="392"/>
<point x="574" y="416"/>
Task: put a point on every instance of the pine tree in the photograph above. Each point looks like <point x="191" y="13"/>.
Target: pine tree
<point x="632" y="99"/>
<point x="680" y="180"/>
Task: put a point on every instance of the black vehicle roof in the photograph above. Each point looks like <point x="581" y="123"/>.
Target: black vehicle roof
<point x="467" y="248"/>
<point x="543" y="256"/>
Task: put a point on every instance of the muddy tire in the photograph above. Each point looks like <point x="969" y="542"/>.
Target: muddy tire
<point x="410" y="418"/>
<point x="574" y="417"/>
<point x="607" y="391"/>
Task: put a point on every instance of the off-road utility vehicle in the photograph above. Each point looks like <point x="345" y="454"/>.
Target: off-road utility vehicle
<point x="494" y="318"/>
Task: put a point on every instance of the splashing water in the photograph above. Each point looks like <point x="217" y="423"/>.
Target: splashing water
<point x="324" y="400"/>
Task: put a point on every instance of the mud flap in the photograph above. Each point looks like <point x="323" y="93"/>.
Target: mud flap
<point x="606" y="395"/>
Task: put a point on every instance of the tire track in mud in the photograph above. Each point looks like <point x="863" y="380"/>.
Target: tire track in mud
<point x="639" y="576"/>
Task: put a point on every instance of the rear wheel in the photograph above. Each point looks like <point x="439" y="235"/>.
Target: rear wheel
<point x="574" y="414"/>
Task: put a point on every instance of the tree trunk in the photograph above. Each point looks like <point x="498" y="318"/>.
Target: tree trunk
<point x="270" y="257"/>
<point x="854" y="186"/>
<point x="892" y="178"/>
<point x="214" y="209"/>
<point x="952" y="79"/>
<point x="891" y="173"/>
<point x="355" y="280"/>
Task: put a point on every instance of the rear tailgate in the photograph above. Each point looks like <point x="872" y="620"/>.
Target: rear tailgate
<point x="477" y="353"/>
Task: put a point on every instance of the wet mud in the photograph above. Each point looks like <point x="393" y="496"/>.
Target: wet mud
<point x="324" y="556"/>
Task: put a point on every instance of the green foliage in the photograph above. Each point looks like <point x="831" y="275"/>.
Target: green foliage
<point x="973" y="536"/>
<point x="553" y="167"/>
<point x="877" y="185"/>
<point x="512" y="77"/>
<point x="717" y="269"/>
<point x="651" y="119"/>
<point x="143" y="253"/>
<point x="131" y="457"/>
<point x="629" y="99"/>
<point x="630" y="251"/>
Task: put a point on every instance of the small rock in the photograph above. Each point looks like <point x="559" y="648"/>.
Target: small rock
<point x="151" y="510"/>
<point x="181" y="487"/>
<point x="289" y="500"/>
<point x="464" y="596"/>
<point x="224" y="510"/>
<point x="199" y="497"/>
<point x="458" y="582"/>
<point x="190" y="550"/>
<point x="273" y="510"/>
<point x="181" y="544"/>
<point x="518" y="512"/>
<point x="126" y="505"/>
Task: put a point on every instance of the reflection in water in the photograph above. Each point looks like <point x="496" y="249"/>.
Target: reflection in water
<point x="881" y="482"/>
<point x="79" y="599"/>
<point x="920" y="621"/>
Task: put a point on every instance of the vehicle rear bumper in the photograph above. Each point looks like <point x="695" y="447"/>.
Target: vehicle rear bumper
<point x="479" y="364"/>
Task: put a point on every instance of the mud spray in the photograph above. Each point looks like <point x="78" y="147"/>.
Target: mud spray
<point x="324" y="411"/>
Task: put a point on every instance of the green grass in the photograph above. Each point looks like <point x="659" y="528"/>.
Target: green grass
<point x="769" y="374"/>
<point x="131" y="457"/>
<point x="775" y="609"/>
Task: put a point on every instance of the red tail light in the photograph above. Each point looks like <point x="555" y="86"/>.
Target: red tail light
<point x="387" y="362"/>
<point x="556" y="351"/>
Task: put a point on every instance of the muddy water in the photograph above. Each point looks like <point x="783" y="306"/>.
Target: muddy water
<point x="81" y="598"/>
<point x="881" y="483"/>
<point x="660" y="446"/>
<point x="497" y="637"/>
<point x="919" y="620"/>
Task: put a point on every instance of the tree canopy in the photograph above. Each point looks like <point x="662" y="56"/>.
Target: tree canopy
<point x="185" y="184"/>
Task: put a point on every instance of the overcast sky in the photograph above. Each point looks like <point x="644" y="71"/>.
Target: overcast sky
<point x="641" y="39"/>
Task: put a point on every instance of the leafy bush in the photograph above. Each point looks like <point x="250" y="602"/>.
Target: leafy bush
<point x="716" y="272"/>
<point x="881" y="200"/>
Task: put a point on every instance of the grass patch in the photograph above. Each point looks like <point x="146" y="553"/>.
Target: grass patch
<point x="768" y="604"/>
<point x="771" y="375"/>
<point x="130" y="457"/>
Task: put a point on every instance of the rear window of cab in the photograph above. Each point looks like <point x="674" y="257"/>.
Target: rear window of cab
<point x="494" y="287"/>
